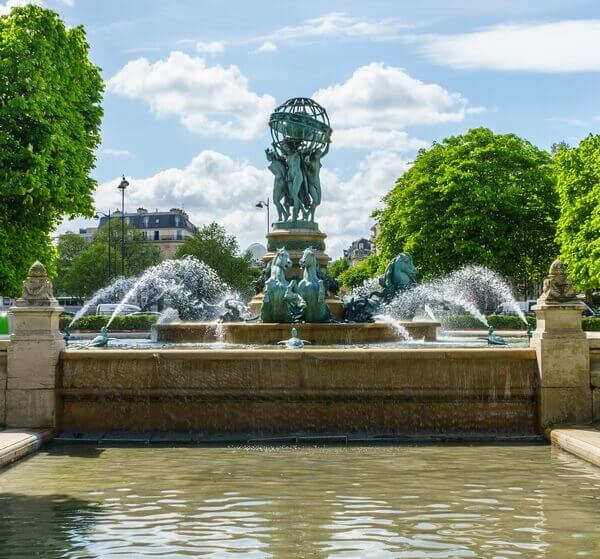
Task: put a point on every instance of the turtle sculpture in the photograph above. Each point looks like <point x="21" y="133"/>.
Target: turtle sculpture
<point x="294" y="342"/>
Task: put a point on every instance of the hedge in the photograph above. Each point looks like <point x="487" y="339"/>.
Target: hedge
<point x="506" y="322"/>
<point x="121" y="322"/>
<point x="591" y="323"/>
<point x="500" y="322"/>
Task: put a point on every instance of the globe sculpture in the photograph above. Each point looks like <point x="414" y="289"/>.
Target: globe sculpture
<point x="301" y="136"/>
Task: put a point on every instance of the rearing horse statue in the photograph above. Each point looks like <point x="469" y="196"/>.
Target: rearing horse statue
<point x="275" y="307"/>
<point x="312" y="289"/>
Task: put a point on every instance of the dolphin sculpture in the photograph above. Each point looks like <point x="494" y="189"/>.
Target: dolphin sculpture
<point x="494" y="339"/>
<point x="101" y="340"/>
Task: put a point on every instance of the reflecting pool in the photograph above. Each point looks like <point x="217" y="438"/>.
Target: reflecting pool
<point x="372" y="502"/>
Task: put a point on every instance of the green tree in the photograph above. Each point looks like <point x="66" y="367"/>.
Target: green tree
<point x="89" y="270"/>
<point x="578" y="184"/>
<point x="479" y="198"/>
<point x="361" y="271"/>
<point x="337" y="267"/>
<point x="69" y="246"/>
<point x="212" y="245"/>
<point x="50" y="116"/>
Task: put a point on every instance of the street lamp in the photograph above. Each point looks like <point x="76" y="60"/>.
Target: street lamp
<point x="261" y="204"/>
<point x="122" y="186"/>
<point x="97" y="216"/>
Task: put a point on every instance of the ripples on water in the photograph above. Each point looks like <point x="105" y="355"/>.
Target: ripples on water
<point x="375" y="502"/>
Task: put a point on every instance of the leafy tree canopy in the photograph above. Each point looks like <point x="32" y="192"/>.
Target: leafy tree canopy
<point x="356" y="275"/>
<point x="337" y="267"/>
<point x="578" y="184"/>
<point x="89" y="269"/>
<point x="212" y="245"/>
<point x="479" y="198"/>
<point x="50" y="115"/>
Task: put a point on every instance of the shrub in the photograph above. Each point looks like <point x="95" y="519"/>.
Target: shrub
<point x="591" y="323"/>
<point x="499" y="322"/>
<point x="121" y="322"/>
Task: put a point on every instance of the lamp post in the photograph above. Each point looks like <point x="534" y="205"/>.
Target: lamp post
<point x="262" y="204"/>
<point x="122" y="186"/>
<point x="97" y="216"/>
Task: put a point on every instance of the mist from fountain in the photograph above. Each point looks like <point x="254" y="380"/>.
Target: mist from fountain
<point x="188" y="285"/>
<point x="112" y="293"/>
<point x="469" y="288"/>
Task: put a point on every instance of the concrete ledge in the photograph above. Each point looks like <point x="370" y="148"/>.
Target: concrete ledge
<point x="297" y="355"/>
<point x="17" y="443"/>
<point x="582" y="441"/>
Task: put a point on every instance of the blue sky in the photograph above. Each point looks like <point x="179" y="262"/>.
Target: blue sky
<point x="190" y="85"/>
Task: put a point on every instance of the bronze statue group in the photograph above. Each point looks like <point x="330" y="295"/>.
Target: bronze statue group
<point x="297" y="186"/>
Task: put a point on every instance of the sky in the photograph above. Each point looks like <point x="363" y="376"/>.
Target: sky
<point x="190" y="85"/>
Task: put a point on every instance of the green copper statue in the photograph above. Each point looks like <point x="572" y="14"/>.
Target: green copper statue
<point x="301" y="136"/>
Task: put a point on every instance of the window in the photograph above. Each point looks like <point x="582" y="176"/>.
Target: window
<point x="146" y="221"/>
<point x="157" y="235"/>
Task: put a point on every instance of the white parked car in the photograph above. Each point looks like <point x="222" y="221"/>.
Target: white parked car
<point x="506" y="308"/>
<point x="107" y="309"/>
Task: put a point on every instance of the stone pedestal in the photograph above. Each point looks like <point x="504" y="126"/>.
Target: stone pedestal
<point x="33" y="355"/>
<point x="563" y="358"/>
<point x="295" y="237"/>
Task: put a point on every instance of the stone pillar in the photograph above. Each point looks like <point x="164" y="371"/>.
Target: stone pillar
<point x="563" y="353"/>
<point x="33" y="354"/>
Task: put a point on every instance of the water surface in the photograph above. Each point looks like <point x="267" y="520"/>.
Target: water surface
<point x="371" y="502"/>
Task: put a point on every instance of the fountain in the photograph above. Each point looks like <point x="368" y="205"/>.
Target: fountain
<point x="295" y="286"/>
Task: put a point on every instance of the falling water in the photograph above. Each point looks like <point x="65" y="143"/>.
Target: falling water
<point x="397" y="326"/>
<point x="168" y="316"/>
<point x="429" y="312"/>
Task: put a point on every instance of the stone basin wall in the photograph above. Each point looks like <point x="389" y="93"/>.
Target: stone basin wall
<point x="3" y="351"/>
<point x="313" y="390"/>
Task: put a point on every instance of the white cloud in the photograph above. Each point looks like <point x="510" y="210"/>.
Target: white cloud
<point x="267" y="46"/>
<point x="206" y="99"/>
<point x="367" y="138"/>
<point x="215" y="187"/>
<point x="337" y="25"/>
<point x="110" y="152"/>
<point x="561" y="46"/>
<point x="10" y="4"/>
<point x="387" y="97"/>
<point x="213" y="47"/>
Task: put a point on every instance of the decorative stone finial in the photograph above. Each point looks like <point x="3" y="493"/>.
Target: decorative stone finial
<point x="558" y="288"/>
<point x="37" y="289"/>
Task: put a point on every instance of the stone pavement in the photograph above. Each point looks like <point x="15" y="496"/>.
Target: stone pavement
<point x="17" y="443"/>
<point x="582" y="441"/>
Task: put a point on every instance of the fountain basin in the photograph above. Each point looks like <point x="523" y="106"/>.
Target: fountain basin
<point x="271" y="333"/>
<point x="311" y="391"/>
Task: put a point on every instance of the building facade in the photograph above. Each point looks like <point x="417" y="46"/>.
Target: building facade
<point x="166" y="229"/>
<point x="358" y="250"/>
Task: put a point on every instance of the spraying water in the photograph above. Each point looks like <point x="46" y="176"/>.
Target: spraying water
<point x="470" y="288"/>
<point x="398" y="328"/>
<point x="112" y="293"/>
<point x="191" y="287"/>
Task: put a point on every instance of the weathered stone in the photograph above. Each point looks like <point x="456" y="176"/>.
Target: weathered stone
<point x="315" y="390"/>
<point x="563" y="353"/>
<point x="33" y="354"/>
<point x="31" y="408"/>
<point x="558" y="406"/>
<point x="37" y="289"/>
